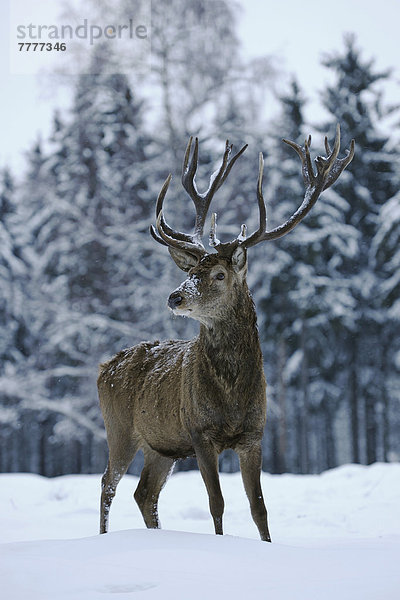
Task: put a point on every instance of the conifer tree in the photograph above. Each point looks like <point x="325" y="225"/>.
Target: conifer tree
<point x="355" y="101"/>
<point x="385" y="259"/>
<point x="8" y="260"/>
<point x="272" y="279"/>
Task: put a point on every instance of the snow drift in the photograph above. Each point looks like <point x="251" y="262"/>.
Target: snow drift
<point x="336" y="535"/>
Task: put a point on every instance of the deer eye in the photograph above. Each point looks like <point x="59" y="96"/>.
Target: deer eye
<point x="220" y="276"/>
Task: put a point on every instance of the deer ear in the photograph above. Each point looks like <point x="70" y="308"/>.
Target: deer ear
<point x="239" y="259"/>
<point x="183" y="259"/>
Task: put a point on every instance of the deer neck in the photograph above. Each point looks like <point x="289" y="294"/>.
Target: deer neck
<point x="231" y="342"/>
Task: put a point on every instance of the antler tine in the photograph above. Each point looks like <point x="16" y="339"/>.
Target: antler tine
<point x="162" y="194"/>
<point x="163" y="233"/>
<point x="216" y="181"/>
<point x="304" y="154"/>
<point x="218" y="178"/>
<point x="177" y="242"/>
<point x="202" y="200"/>
<point x="189" y="171"/>
<point x="227" y="248"/>
<point x="159" y="205"/>
<point x="261" y="203"/>
<point x="324" y="165"/>
<point x="167" y="229"/>
<point x="213" y="240"/>
<point x="328" y="170"/>
<point x="339" y="166"/>
<point x="262" y="228"/>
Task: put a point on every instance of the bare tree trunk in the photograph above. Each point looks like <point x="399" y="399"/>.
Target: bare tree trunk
<point x="329" y="439"/>
<point x="353" y="401"/>
<point x="385" y="403"/>
<point x="303" y="407"/>
<point x="370" y="429"/>
<point x="371" y="394"/>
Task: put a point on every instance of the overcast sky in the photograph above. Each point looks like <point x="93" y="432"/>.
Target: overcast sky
<point x="297" y="32"/>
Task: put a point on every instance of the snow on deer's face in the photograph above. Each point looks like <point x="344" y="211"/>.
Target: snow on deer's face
<point x="209" y="290"/>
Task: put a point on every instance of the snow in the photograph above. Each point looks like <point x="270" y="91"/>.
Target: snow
<point x="335" y="535"/>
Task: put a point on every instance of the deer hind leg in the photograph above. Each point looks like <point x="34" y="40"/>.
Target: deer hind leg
<point x="120" y="457"/>
<point x="152" y="479"/>
<point x="250" y="466"/>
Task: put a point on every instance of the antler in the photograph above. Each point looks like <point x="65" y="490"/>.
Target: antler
<point x="328" y="170"/>
<point x="176" y="239"/>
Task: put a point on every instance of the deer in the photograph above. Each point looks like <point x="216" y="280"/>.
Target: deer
<point x="174" y="399"/>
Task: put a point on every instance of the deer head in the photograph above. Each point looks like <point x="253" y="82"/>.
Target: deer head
<point x="214" y="277"/>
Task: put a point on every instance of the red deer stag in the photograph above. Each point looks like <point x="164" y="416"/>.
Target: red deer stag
<point x="176" y="398"/>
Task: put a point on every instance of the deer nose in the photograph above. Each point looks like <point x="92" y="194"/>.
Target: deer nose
<point x="175" y="300"/>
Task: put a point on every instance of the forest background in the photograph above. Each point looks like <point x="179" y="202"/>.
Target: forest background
<point x="81" y="278"/>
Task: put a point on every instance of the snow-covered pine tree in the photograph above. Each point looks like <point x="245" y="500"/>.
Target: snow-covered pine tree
<point x="271" y="277"/>
<point x="385" y="259"/>
<point x="11" y="269"/>
<point x="84" y="210"/>
<point x="305" y="299"/>
<point x="26" y="384"/>
<point x="12" y="326"/>
<point x="103" y="182"/>
<point x="354" y="100"/>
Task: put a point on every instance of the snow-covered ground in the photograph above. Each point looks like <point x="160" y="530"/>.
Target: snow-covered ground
<point x="335" y="535"/>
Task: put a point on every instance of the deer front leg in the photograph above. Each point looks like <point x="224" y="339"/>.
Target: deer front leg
<point x="207" y="459"/>
<point x="120" y="457"/>
<point x="250" y="466"/>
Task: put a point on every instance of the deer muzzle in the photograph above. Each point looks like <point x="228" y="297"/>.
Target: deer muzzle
<point x="175" y="300"/>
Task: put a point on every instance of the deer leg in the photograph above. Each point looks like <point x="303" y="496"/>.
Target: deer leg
<point x="250" y="466"/>
<point x="207" y="459"/>
<point x="152" y="479"/>
<point x="120" y="457"/>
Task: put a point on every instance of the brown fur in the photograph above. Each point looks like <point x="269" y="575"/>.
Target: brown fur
<point x="176" y="399"/>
